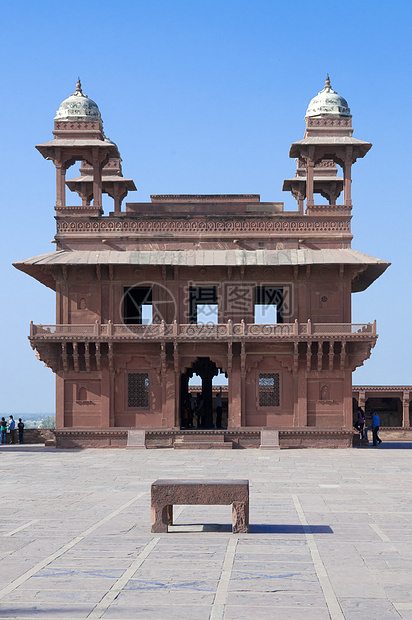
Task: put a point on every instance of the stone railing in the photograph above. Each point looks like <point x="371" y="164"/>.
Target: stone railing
<point x="189" y="331"/>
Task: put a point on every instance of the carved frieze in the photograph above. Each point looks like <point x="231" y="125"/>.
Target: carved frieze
<point x="204" y="226"/>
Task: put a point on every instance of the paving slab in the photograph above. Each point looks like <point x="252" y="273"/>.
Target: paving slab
<point x="330" y="536"/>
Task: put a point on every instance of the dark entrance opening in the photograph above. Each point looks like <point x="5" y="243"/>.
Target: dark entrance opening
<point x="388" y="409"/>
<point x="196" y="405"/>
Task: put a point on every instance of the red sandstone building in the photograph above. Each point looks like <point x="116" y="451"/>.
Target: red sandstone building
<point x="201" y="284"/>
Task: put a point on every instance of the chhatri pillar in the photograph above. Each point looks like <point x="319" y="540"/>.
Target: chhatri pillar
<point x="113" y="183"/>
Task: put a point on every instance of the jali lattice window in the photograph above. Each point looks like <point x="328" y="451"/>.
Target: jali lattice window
<point x="269" y="393"/>
<point x="138" y="390"/>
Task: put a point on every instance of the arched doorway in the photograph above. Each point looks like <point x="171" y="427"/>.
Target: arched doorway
<point x="196" y="405"/>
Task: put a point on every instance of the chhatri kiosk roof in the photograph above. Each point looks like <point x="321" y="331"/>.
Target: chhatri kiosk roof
<point x="327" y="102"/>
<point x="78" y="107"/>
<point x="39" y="266"/>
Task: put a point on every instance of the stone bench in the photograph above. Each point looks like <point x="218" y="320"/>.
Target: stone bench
<point x="167" y="493"/>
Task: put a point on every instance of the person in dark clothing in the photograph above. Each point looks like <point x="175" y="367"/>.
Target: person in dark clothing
<point x="12" y="429"/>
<point x="360" y="422"/>
<point x="219" y="409"/>
<point x="3" y="426"/>
<point x="200" y="411"/>
<point x="20" y="426"/>
<point x="375" y="429"/>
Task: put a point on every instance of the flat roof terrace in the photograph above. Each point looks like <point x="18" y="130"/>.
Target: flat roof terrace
<point x="330" y="536"/>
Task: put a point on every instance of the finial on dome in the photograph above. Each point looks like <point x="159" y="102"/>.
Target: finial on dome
<point x="78" y="90"/>
<point x="327" y="81"/>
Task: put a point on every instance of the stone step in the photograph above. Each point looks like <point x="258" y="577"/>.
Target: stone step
<point x="203" y="445"/>
<point x="207" y="437"/>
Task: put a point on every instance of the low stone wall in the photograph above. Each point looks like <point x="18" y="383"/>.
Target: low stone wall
<point x="316" y="438"/>
<point x="35" y="435"/>
<point x="70" y="438"/>
<point x="239" y="438"/>
<point x="393" y="434"/>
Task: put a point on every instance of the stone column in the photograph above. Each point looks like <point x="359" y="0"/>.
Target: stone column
<point x="64" y="302"/>
<point x="60" y="186"/>
<point x="405" y="405"/>
<point x="169" y="397"/>
<point x="59" y="400"/>
<point x="176" y="368"/>
<point x="235" y="407"/>
<point x="347" y="178"/>
<point x="302" y="401"/>
<point x="347" y="400"/>
<point x="105" y="398"/>
<point x="112" y="393"/>
<point x="243" y="384"/>
<point x="362" y="400"/>
<point x="309" y="183"/>
<point x="97" y="180"/>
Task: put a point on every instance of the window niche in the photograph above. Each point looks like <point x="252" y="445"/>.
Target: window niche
<point x="82" y="396"/>
<point x="138" y="390"/>
<point x="269" y="389"/>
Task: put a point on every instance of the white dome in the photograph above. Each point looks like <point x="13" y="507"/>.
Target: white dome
<point x="327" y="103"/>
<point x="78" y="107"/>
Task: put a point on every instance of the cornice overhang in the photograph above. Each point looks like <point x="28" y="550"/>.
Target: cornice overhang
<point x="366" y="269"/>
<point x="331" y="143"/>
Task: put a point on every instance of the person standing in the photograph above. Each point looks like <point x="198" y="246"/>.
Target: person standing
<point x="3" y="428"/>
<point x="360" y="423"/>
<point x="193" y="406"/>
<point x="20" y="426"/>
<point x="375" y="429"/>
<point x="219" y="409"/>
<point x="200" y="411"/>
<point x="12" y="427"/>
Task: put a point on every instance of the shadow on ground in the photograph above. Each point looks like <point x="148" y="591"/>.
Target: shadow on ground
<point x="389" y="445"/>
<point x="254" y="528"/>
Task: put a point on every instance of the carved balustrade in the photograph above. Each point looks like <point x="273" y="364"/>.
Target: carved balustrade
<point x="188" y="332"/>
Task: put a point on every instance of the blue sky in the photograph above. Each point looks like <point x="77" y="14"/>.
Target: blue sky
<point x="205" y="97"/>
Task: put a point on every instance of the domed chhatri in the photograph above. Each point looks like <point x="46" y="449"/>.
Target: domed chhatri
<point x="328" y="103"/>
<point x="78" y="107"/>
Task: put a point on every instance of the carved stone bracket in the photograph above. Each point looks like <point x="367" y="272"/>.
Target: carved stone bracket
<point x="75" y="357"/>
<point x="98" y="356"/>
<point x="308" y="356"/>
<point x="229" y="358"/>
<point x="331" y="354"/>
<point x="64" y="357"/>
<point x="163" y="359"/>
<point x="243" y="360"/>
<point x="320" y="355"/>
<point x="87" y="356"/>
<point x="343" y="356"/>
<point x="111" y="357"/>
<point x="295" y="358"/>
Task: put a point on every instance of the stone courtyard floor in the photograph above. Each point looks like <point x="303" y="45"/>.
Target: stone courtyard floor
<point x="330" y="536"/>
